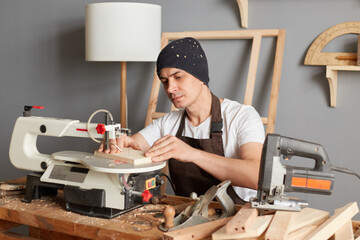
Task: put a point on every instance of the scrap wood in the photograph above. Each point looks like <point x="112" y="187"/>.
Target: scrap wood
<point x="254" y="230"/>
<point x="242" y="220"/>
<point x="11" y="186"/>
<point x="279" y="226"/>
<point x="199" y="231"/>
<point x="334" y="223"/>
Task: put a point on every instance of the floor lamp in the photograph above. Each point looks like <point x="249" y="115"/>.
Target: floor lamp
<point x="122" y="32"/>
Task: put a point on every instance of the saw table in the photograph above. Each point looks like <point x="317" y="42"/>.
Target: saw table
<point x="48" y="219"/>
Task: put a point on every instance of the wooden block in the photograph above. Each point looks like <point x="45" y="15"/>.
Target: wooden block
<point x="242" y="219"/>
<point x="255" y="230"/>
<point x="128" y="155"/>
<point x="200" y="231"/>
<point x="279" y="227"/>
<point x="306" y="217"/>
<point x="334" y="223"/>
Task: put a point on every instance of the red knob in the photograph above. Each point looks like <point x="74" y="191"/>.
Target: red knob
<point x="100" y="128"/>
<point x="146" y="195"/>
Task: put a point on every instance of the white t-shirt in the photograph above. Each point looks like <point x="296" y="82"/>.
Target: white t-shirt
<point x="241" y="124"/>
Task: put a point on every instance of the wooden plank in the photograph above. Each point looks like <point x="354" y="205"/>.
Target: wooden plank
<point x="200" y="231"/>
<point x="334" y="223"/>
<point x="308" y="216"/>
<point x="279" y="227"/>
<point x="255" y="230"/>
<point x="128" y="155"/>
<point x="275" y="85"/>
<point x="254" y="59"/>
<point x="242" y="220"/>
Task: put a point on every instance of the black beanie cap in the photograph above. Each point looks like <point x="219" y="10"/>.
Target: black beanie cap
<point x="185" y="54"/>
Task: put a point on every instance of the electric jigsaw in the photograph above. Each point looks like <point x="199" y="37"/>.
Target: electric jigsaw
<point x="93" y="186"/>
<point x="275" y="178"/>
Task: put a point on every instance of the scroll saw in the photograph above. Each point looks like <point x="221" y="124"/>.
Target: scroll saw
<point x="92" y="185"/>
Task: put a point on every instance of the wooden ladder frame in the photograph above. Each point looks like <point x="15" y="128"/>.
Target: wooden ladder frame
<point x="254" y="35"/>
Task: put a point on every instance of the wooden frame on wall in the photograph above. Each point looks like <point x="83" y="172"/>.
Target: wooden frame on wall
<point x="256" y="37"/>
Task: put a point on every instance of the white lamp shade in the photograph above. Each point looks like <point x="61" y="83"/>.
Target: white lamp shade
<point x="122" y="31"/>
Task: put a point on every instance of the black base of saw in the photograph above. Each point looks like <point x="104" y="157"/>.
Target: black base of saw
<point x="90" y="202"/>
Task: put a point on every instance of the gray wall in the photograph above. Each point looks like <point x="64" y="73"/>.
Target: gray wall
<point x="42" y="63"/>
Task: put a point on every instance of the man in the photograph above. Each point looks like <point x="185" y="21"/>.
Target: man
<point x="210" y="139"/>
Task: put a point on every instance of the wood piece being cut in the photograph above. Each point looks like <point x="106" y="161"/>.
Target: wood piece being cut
<point x="128" y="155"/>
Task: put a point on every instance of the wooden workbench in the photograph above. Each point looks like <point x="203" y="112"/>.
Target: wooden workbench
<point x="48" y="219"/>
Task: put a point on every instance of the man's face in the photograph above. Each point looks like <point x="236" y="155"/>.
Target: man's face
<point x="181" y="87"/>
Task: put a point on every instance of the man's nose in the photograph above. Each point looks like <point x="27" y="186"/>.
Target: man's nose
<point x="171" y="86"/>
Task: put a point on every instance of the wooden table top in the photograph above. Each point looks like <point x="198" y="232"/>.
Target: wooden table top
<point x="49" y="213"/>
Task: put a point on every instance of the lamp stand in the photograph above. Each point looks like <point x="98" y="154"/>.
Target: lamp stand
<point x="123" y="108"/>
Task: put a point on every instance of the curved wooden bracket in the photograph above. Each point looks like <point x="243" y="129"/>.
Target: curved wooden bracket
<point x="332" y="77"/>
<point x="243" y="7"/>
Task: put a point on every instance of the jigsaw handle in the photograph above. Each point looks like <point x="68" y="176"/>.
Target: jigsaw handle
<point x="295" y="147"/>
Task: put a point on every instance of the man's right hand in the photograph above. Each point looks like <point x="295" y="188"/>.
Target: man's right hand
<point x="121" y="142"/>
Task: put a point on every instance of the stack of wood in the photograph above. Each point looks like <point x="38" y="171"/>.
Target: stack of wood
<point x="8" y="189"/>
<point x="312" y="224"/>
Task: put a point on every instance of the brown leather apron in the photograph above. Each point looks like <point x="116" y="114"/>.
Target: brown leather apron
<point x="188" y="177"/>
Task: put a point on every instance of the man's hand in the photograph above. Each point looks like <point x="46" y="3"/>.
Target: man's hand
<point x="121" y="142"/>
<point x="171" y="147"/>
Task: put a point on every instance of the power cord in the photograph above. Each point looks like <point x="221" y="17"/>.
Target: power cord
<point x="344" y="170"/>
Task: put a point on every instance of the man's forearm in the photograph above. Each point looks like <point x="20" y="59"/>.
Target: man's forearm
<point x="241" y="172"/>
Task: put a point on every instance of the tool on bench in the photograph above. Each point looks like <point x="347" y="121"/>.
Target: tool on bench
<point x="197" y="213"/>
<point x="275" y="178"/>
<point x="92" y="185"/>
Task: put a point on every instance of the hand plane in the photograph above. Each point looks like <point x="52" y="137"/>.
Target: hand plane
<point x="275" y="177"/>
<point x="198" y="212"/>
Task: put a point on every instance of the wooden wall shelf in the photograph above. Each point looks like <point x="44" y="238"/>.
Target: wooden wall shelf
<point x="332" y="77"/>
